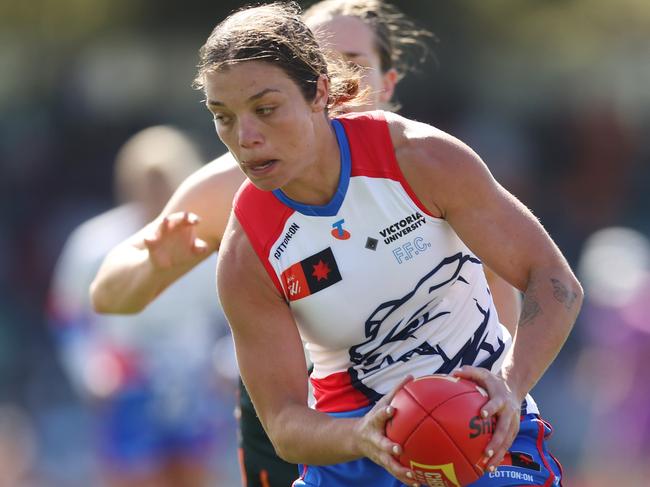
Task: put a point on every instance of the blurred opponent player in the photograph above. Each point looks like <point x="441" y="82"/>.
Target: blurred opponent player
<point x="148" y="378"/>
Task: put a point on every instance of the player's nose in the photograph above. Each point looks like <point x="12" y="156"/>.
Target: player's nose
<point x="249" y="134"/>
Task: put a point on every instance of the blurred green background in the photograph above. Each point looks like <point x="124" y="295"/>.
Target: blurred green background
<point x="553" y="94"/>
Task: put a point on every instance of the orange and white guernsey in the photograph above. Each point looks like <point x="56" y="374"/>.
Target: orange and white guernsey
<point x="379" y="288"/>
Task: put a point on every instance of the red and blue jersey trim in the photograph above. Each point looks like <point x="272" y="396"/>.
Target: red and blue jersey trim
<point x="336" y="393"/>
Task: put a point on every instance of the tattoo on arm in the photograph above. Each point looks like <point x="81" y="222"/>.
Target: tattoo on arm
<point x="530" y="309"/>
<point x="562" y="294"/>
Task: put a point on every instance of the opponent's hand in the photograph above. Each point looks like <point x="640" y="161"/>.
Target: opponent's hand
<point x="174" y="242"/>
<point x="503" y="404"/>
<point x="370" y="432"/>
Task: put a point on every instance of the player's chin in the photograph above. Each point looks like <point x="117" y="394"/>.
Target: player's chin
<point x="268" y="180"/>
<point x="265" y="183"/>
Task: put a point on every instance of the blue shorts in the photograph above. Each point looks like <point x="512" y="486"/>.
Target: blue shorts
<point x="527" y="463"/>
<point x="137" y="431"/>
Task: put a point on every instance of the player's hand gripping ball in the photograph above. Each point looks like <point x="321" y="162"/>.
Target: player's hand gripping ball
<point x="438" y="422"/>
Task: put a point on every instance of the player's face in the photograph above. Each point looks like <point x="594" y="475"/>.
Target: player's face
<point x="355" y="42"/>
<point x="262" y="117"/>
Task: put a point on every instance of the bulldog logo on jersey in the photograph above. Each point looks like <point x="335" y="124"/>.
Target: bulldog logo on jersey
<point x="311" y="275"/>
<point x="398" y="330"/>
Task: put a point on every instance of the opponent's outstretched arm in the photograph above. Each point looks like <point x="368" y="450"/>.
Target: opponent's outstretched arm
<point x="188" y="229"/>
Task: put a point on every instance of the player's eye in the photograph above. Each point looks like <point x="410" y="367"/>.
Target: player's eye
<point x="266" y="110"/>
<point x="221" y="119"/>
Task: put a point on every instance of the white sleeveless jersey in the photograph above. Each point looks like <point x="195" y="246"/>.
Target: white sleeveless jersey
<point x="378" y="287"/>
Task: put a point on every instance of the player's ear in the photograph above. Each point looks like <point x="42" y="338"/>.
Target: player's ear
<point x="319" y="103"/>
<point x="389" y="80"/>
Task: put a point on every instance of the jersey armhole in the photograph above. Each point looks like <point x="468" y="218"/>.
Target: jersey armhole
<point x="385" y="151"/>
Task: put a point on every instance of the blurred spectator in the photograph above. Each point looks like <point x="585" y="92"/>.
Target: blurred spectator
<point x="161" y="413"/>
<point x="17" y="448"/>
<point x="505" y="147"/>
<point x="613" y="370"/>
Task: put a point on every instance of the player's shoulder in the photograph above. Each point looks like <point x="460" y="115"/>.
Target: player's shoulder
<point x="439" y="167"/>
<point x="424" y="145"/>
<point x="407" y="132"/>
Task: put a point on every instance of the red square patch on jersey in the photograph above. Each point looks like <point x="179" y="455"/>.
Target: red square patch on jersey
<point x="311" y="275"/>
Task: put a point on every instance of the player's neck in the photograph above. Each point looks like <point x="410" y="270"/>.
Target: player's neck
<point x="319" y="181"/>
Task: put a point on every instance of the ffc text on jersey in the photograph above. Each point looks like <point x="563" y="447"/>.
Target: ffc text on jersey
<point x="311" y="275"/>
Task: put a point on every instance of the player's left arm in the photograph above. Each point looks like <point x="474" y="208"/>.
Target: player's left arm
<point x="455" y="184"/>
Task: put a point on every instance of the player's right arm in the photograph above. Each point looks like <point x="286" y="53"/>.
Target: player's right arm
<point x="272" y="365"/>
<point x="188" y="230"/>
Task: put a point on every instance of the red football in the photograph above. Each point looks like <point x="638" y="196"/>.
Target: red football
<point x="437" y="422"/>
